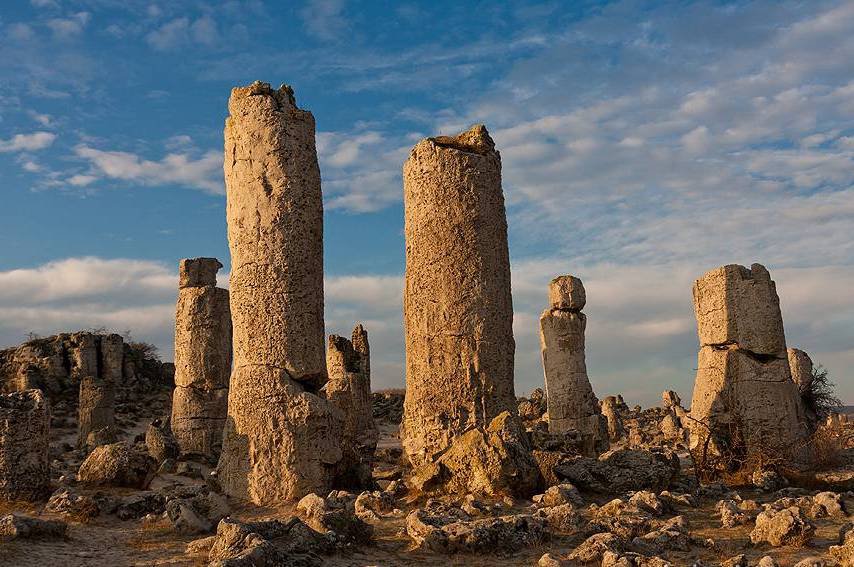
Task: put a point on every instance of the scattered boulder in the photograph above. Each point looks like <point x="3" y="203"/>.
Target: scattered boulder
<point x="71" y="505"/>
<point x="20" y="526"/>
<point x="336" y="515"/>
<point x="140" y="504"/>
<point x="594" y="548"/>
<point x="782" y="527"/>
<point x="444" y="529"/>
<point x="119" y="464"/>
<point x="160" y="442"/>
<point x="621" y="470"/>
<point x="495" y="461"/>
<point x="268" y="543"/>
<point x="196" y="513"/>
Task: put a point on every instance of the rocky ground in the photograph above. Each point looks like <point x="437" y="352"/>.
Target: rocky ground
<point x="639" y="504"/>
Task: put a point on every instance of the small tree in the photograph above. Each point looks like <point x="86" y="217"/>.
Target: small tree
<point x="819" y="397"/>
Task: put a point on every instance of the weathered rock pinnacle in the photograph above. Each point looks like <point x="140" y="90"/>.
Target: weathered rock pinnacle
<point x="349" y="389"/>
<point x="99" y="369"/>
<point x="281" y="440"/>
<point x="202" y="359"/>
<point x="572" y="405"/>
<point x="743" y="394"/>
<point x="24" y="438"/>
<point x="458" y="311"/>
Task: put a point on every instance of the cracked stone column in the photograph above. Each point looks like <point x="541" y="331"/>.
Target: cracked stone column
<point x="99" y="369"/>
<point x="743" y="379"/>
<point x="202" y="359"/>
<point x="281" y="440"/>
<point x="24" y="440"/>
<point x="349" y="389"/>
<point x="457" y="307"/>
<point x="572" y="404"/>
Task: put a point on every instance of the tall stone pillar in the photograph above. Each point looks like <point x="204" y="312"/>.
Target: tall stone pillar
<point x="744" y="397"/>
<point x="349" y="389"/>
<point x="457" y="308"/>
<point x="281" y="440"/>
<point x="99" y="369"/>
<point x="202" y="359"/>
<point x="24" y="443"/>
<point x="571" y="401"/>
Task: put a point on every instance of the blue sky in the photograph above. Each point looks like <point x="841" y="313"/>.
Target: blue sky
<point x="643" y="143"/>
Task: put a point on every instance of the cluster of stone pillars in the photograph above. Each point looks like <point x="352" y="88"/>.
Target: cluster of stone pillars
<point x="287" y="417"/>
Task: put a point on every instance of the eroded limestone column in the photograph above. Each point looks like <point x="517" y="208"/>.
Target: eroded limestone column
<point x="349" y="389"/>
<point x="99" y="368"/>
<point x="571" y="401"/>
<point x="281" y="440"/>
<point x="457" y="308"/>
<point x="743" y="382"/>
<point x="202" y="359"/>
<point x="24" y="440"/>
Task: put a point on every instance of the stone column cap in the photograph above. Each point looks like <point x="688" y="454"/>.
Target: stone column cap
<point x="198" y="272"/>
<point x="567" y="293"/>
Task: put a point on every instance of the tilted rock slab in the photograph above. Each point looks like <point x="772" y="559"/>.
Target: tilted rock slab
<point x="743" y="379"/>
<point x="281" y="440"/>
<point x="24" y="439"/>
<point x="571" y="401"/>
<point x="457" y="307"/>
<point x="99" y="364"/>
<point x="349" y="389"/>
<point x="801" y="366"/>
<point x="202" y="359"/>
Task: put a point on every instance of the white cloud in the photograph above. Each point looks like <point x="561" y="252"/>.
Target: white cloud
<point x="170" y="35"/>
<point x="324" y="18"/>
<point x="27" y="142"/>
<point x="65" y="28"/>
<point x="204" y="173"/>
<point x="360" y="169"/>
<point x="183" y="31"/>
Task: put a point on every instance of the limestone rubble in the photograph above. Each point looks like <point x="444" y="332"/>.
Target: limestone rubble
<point x="572" y="405"/>
<point x="744" y="391"/>
<point x="281" y="440"/>
<point x="202" y="359"/>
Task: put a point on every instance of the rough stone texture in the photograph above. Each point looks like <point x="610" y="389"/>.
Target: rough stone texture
<point x="119" y="464"/>
<point x="349" y="389"/>
<point x="24" y="438"/>
<point x="611" y="411"/>
<point x="735" y="305"/>
<point x="458" y="311"/>
<point x="57" y="364"/>
<point x="735" y="390"/>
<point x="621" y="470"/>
<point x="281" y="441"/>
<point x="202" y="359"/>
<point x="571" y="401"/>
<point x="567" y="293"/>
<point x="782" y="527"/>
<point x="743" y="388"/>
<point x="198" y="272"/>
<point x="800" y="365"/>
<point x="99" y="362"/>
<point x="160" y="442"/>
<point x="495" y="461"/>
<point x="21" y="526"/>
